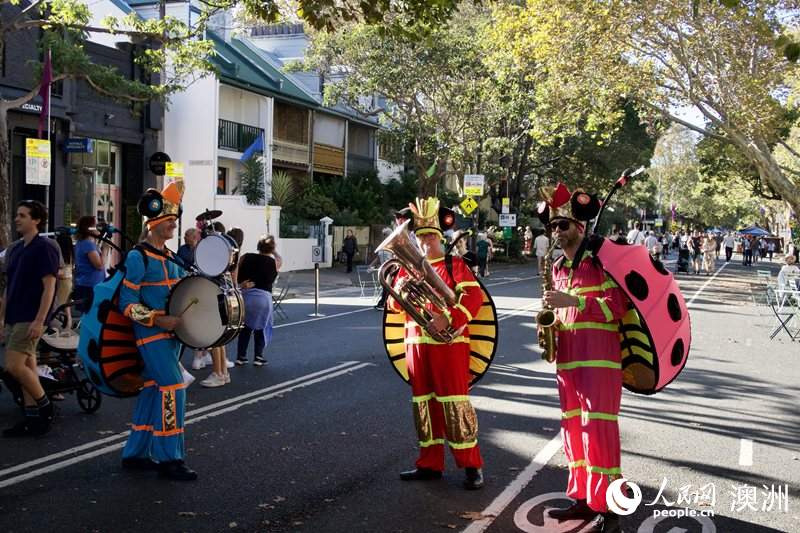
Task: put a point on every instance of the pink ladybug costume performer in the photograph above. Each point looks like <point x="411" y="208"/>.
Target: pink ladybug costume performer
<point x="589" y="305"/>
<point x="439" y="372"/>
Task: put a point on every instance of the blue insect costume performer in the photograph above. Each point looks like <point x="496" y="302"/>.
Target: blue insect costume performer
<point x="156" y="439"/>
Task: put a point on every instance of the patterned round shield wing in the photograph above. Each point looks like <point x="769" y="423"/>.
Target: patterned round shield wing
<point x="656" y="332"/>
<point x="482" y="339"/>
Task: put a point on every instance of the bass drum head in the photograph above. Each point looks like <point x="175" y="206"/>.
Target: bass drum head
<point x="196" y="300"/>
<point x="215" y="254"/>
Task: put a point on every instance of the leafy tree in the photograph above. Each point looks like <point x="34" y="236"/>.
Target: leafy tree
<point x="724" y="59"/>
<point x="175" y="57"/>
<point x="427" y="85"/>
<point x="331" y="14"/>
<point x="703" y="179"/>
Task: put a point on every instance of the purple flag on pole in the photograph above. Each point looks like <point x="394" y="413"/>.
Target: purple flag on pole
<point x="44" y="91"/>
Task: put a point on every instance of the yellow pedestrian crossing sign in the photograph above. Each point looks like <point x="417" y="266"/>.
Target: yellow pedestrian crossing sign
<point x="468" y="205"/>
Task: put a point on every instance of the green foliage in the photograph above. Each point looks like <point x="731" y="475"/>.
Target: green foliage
<point x="430" y="80"/>
<point x="283" y="191"/>
<point x="392" y="15"/>
<point x="313" y="204"/>
<point x="252" y="176"/>
<point x="399" y="192"/>
<point x="724" y="59"/>
<point x="358" y="198"/>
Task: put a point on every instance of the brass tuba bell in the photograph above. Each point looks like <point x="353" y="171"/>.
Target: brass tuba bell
<point x="422" y="286"/>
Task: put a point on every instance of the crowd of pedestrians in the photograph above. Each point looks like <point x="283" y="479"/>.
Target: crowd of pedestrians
<point x="43" y="274"/>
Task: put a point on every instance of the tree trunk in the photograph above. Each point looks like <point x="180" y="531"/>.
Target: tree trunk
<point x="759" y="152"/>
<point x="5" y="182"/>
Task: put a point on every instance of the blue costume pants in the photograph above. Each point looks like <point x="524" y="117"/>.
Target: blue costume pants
<point x="157" y="429"/>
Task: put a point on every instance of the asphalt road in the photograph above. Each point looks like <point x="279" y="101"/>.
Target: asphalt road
<point x="314" y="441"/>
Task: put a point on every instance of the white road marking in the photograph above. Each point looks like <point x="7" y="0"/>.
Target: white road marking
<point x="105" y="445"/>
<point x="702" y="287"/>
<point x="503" y="316"/>
<point x="512" y="491"/>
<point x="746" y="452"/>
<point x="544" y="456"/>
<point x="370" y="308"/>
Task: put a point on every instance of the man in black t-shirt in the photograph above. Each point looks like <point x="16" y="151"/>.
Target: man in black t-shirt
<point x="32" y="267"/>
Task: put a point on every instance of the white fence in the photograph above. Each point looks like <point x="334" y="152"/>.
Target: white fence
<point x="296" y="254"/>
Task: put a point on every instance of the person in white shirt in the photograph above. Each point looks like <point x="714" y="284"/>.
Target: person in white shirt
<point x="788" y="268"/>
<point x="540" y="246"/>
<point x="651" y="243"/>
<point x="729" y="244"/>
<point x="636" y="235"/>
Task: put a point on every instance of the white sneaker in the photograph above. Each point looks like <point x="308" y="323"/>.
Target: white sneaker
<point x="214" y="380"/>
<point x="199" y="363"/>
<point x="229" y="363"/>
<point x="207" y="359"/>
<point x="227" y="378"/>
<point x="188" y="379"/>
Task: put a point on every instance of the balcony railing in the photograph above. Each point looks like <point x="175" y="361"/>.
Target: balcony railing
<point x="290" y="152"/>
<point x="237" y="137"/>
<point x="328" y="159"/>
<point x="358" y="163"/>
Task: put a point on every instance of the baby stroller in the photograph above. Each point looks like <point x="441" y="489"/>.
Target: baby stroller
<point x="58" y="371"/>
<point x="682" y="264"/>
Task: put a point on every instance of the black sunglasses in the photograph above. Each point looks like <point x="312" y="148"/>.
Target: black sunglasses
<point x="563" y="225"/>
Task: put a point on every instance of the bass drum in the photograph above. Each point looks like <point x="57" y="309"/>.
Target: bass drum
<point x="211" y="311"/>
<point x="216" y="254"/>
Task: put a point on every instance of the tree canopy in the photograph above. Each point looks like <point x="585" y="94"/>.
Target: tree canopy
<point x="726" y="60"/>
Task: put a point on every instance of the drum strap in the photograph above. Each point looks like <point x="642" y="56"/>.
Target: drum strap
<point x="144" y="246"/>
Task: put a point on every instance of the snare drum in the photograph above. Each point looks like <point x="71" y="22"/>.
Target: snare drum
<point x="216" y="254"/>
<point x="211" y="311"/>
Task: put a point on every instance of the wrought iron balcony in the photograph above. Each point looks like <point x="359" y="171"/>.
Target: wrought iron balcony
<point x="237" y="137"/>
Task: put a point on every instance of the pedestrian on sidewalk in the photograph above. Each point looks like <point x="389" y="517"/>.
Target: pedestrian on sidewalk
<point x="484" y="247"/>
<point x="32" y="267"/>
<point x="350" y="248"/>
<point x="540" y="246"/>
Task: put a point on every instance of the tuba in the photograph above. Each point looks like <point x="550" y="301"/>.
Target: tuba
<point x="546" y="319"/>
<point x="422" y="286"/>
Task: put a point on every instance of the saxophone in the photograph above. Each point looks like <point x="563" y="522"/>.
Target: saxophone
<point x="546" y="319"/>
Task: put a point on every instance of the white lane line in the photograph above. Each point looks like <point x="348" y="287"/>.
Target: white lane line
<point x="746" y="452"/>
<point x="370" y="308"/>
<point x="238" y="401"/>
<point x="512" y="280"/>
<point x="512" y="491"/>
<point x="709" y="280"/>
<point x="503" y="316"/>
